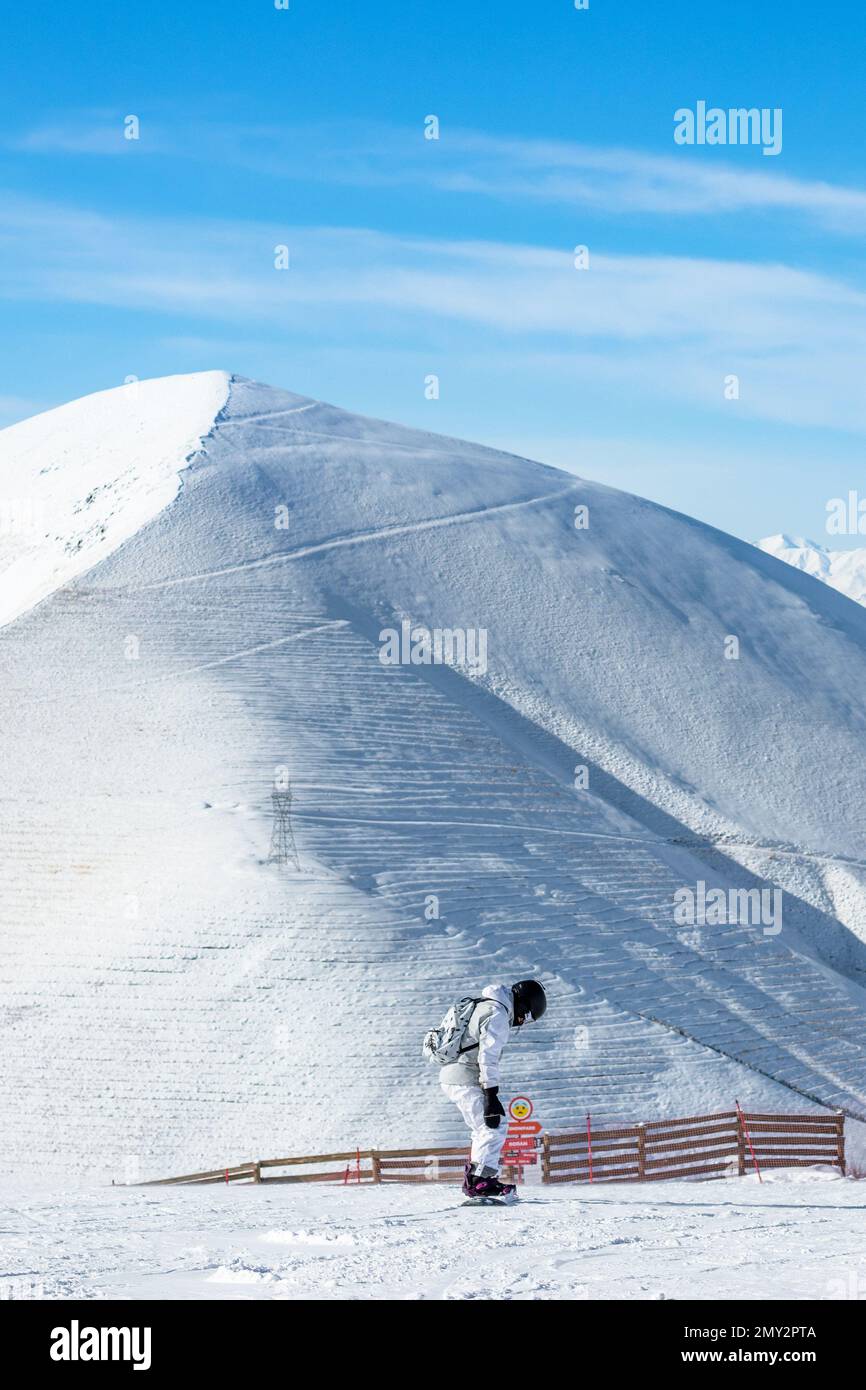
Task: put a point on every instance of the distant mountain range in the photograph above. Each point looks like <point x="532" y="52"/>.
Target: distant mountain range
<point x="844" y="570"/>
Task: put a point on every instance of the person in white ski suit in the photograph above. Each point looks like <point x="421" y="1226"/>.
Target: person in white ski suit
<point x="472" y="1081"/>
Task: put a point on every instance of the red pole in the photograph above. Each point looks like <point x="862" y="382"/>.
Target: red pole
<point x="227" y="1174"/>
<point x="749" y="1139"/>
<point x="589" y="1142"/>
<point x="346" y="1175"/>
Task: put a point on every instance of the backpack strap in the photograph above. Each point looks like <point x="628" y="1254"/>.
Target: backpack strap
<point x="483" y="1000"/>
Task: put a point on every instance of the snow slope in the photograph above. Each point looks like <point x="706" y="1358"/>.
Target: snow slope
<point x="79" y="481"/>
<point x="844" y="570"/>
<point x="170" y="1000"/>
<point x="797" y="1236"/>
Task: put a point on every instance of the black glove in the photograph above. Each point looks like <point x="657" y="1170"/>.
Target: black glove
<point x="493" y="1111"/>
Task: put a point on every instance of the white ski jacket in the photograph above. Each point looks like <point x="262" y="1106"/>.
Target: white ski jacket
<point x="487" y="1032"/>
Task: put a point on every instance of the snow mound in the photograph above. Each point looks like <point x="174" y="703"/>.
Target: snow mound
<point x="81" y="479"/>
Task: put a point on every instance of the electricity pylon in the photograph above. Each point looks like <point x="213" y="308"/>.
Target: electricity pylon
<point x="283" y="848"/>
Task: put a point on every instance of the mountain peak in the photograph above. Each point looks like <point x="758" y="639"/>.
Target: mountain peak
<point x="782" y="541"/>
<point x="88" y="475"/>
<point x="540" y="806"/>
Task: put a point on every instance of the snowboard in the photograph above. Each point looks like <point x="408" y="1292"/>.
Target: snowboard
<point x="490" y="1201"/>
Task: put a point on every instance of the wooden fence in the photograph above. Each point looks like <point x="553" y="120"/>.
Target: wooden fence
<point x="698" y="1146"/>
<point x="355" y="1166"/>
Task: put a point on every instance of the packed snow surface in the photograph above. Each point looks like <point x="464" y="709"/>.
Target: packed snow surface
<point x="796" y="1236"/>
<point x="172" y="1001"/>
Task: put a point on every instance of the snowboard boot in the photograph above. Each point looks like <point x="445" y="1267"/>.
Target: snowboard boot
<point x="486" y="1184"/>
<point x="478" y="1184"/>
<point x="504" y="1191"/>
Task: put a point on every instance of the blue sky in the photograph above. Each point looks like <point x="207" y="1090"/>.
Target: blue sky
<point x="454" y="257"/>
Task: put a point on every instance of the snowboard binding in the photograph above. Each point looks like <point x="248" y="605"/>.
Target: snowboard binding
<point x="485" y="1189"/>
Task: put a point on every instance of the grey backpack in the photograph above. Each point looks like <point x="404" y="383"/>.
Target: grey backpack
<point x="445" y="1043"/>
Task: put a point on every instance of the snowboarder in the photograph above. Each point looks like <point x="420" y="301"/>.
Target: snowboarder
<point x="468" y="1045"/>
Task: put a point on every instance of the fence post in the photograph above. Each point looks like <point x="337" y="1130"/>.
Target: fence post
<point x="375" y="1165"/>
<point x="641" y="1153"/>
<point x="257" y="1171"/>
<point x="545" y="1158"/>
<point x="741" y="1146"/>
<point x="840" y="1140"/>
<point x="749" y="1140"/>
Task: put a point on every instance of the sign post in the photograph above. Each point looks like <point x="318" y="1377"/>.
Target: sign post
<point x="521" y="1137"/>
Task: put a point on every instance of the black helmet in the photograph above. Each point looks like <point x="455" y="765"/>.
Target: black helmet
<point x="530" y="1001"/>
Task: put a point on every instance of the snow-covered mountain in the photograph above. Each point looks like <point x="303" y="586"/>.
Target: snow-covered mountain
<point x="844" y="570"/>
<point x="203" y="603"/>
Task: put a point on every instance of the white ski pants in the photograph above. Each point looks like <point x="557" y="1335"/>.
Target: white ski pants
<point x="486" y="1143"/>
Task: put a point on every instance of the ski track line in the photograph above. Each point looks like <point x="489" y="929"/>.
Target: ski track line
<point x="248" y="651"/>
<point x="268" y="415"/>
<point x="477" y="824"/>
<point x="361" y="440"/>
<point x="208" y="665"/>
<point x="584" y="835"/>
<point x="359" y="538"/>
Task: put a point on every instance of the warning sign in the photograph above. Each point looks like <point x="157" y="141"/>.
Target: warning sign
<point x="520" y="1108"/>
<point x="521" y="1137"/>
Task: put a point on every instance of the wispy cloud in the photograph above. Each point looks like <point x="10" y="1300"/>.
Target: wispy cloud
<point x="61" y="139"/>
<point x="225" y="269"/>
<point x="14" y="408"/>
<point x="97" y="132"/>
<point x="671" y="325"/>
<point x="614" y="181"/>
<point x="627" y="181"/>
